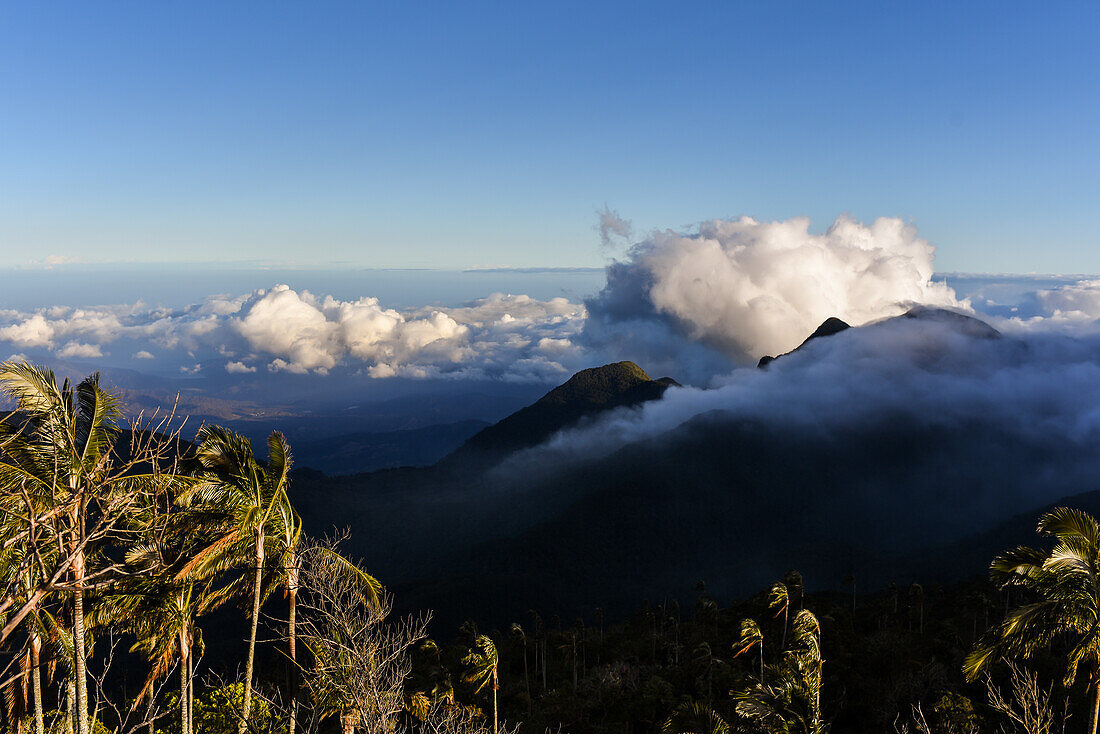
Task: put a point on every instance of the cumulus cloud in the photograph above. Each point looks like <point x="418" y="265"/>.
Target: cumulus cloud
<point x="234" y="368"/>
<point x="501" y="335"/>
<point x="289" y="324"/>
<point x="33" y="331"/>
<point x="745" y="288"/>
<point x="80" y="351"/>
<point x="144" y="354"/>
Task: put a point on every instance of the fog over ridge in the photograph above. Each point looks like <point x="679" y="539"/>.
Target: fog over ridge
<point x="897" y="375"/>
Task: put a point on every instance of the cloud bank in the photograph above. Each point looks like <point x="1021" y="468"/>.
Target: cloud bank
<point x="510" y="337"/>
<point x="693" y="305"/>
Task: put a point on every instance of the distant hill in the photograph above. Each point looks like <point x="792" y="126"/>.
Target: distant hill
<point x="585" y="393"/>
<point x="352" y="453"/>
<point x="973" y="553"/>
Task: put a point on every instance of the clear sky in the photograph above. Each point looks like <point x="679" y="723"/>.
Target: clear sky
<point x="462" y="134"/>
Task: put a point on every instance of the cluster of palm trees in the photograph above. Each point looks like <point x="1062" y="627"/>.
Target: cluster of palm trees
<point x="131" y="530"/>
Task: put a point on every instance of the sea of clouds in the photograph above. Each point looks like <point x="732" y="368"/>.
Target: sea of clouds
<point x="695" y="305"/>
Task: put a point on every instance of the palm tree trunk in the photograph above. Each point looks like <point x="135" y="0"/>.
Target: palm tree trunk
<point x="1095" y="703"/>
<point x="190" y="691"/>
<point x="70" y="705"/>
<point x="80" y="670"/>
<point x="526" y="679"/>
<point x="496" y="685"/>
<point x="247" y="708"/>
<point x="183" y="687"/>
<point x="783" y="643"/>
<point x="149" y="711"/>
<point x="292" y="594"/>
<point x="36" y="680"/>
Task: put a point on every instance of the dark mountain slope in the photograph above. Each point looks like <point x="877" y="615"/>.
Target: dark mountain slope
<point x="973" y="553"/>
<point x="737" y="503"/>
<point x="585" y="393"/>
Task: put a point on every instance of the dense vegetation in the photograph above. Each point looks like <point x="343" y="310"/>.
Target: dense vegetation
<point x="118" y="543"/>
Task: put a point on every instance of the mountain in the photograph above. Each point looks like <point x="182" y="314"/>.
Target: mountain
<point x="829" y="326"/>
<point x="973" y="553"/>
<point x="586" y="393"/>
<point x="954" y="320"/>
<point x="720" y="497"/>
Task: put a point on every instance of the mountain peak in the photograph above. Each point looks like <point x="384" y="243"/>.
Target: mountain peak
<point x="597" y="385"/>
<point x="586" y="393"/>
<point x="829" y="326"/>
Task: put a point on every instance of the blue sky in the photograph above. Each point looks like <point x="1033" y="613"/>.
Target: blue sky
<point x="456" y="135"/>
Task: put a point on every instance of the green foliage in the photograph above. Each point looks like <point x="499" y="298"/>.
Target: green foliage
<point x="217" y="711"/>
<point x="954" y="714"/>
<point x="694" y="718"/>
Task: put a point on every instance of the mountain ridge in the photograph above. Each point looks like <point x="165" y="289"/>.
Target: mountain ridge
<point x="590" y="391"/>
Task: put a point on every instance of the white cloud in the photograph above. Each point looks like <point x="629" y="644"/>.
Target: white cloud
<point x="690" y="305"/>
<point x="286" y="323"/>
<point x="33" y="331"/>
<point x="235" y="368"/>
<point x="1076" y="302"/>
<point x="748" y="288"/>
<point x="305" y="333"/>
<point x="80" y="351"/>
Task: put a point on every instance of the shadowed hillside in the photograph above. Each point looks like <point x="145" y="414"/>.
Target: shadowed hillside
<point x="586" y="393"/>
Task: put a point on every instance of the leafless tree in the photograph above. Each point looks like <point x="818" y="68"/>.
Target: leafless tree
<point x="1027" y="709"/>
<point x="358" y="658"/>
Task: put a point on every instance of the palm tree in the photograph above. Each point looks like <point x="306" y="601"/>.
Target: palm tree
<point x="1068" y="607"/>
<point x="751" y="637"/>
<point x="442" y="689"/>
<point x="540" y="641"/>
<point x="791" y="699"/>
<point x="162" y="618"/>
<point x="57" y="453"/>
<point x="850" y="580"/>
<point x="289" y="537"/>
<point x="916" y="596"/>
<point x="518" y="633"/>
<point x="694" y="718"/>
<point x="796" y="587"/>
<point x="483" y="661"/>
<point x="251" y="494"/>
<point x="779" y="601"/>
<point x="703" y="656"/>
<point x="20" y="574"/>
